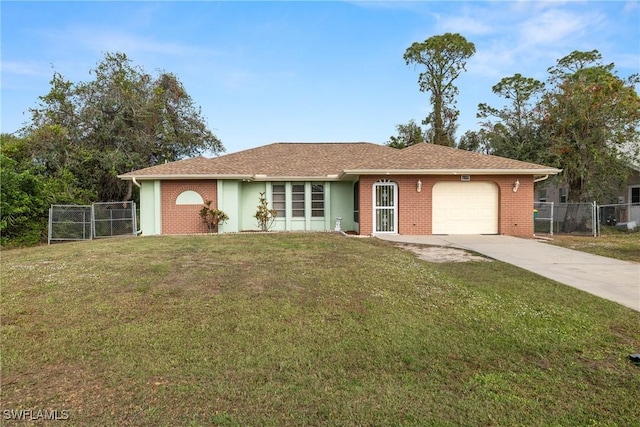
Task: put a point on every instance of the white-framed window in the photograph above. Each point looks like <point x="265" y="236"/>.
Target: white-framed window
<point x="297" y="200"/>
<point x="563" y="194"/>
<point x="279" y="199"/>
<point x="189" y="197"/>
<point x="317" y="200"/>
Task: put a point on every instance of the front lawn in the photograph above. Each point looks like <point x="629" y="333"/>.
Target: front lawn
<point x="612" y="244"/>
<point x="304" y="329"/>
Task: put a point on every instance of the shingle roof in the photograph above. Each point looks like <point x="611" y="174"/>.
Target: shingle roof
<point x="432" y="157"/>
<point x="333" y="160"/>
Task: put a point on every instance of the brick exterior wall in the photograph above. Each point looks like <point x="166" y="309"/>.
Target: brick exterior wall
<point x="185" y="219"/>
<point x="515" y="217"/>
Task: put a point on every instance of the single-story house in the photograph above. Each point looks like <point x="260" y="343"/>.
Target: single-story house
<point x="355" y="187"/>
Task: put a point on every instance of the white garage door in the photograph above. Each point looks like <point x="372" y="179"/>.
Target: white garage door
<point x="465" y="208"/>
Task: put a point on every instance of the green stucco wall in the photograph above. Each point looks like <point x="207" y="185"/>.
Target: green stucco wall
<point x="240" y="200"/>
<point x="150" y="210"/>
<point x="341" y="204"/>
<point x="249" y="200"/>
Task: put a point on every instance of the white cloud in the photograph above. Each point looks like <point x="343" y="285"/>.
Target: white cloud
<point x="27" y="68"/>
<point x="464" y="25"/>
<point x="108" y="40"/>
<point x="555" y="26"/>
<point x="631" y="6"/>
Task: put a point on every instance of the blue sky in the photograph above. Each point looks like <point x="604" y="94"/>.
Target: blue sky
<point x="267" y="72"/>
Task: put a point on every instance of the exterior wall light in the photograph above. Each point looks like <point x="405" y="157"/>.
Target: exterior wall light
<point x="516" y="185"/>
<point x="419" y="186"/>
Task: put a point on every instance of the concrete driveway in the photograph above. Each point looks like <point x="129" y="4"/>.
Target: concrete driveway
<point x="608" y="278"/>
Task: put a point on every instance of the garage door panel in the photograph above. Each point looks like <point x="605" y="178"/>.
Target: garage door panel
<point x="465" y="208"/>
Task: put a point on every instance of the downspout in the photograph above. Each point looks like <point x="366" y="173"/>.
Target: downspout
<point x="534" y="181"/>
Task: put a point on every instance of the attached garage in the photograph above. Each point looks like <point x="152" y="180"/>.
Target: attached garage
<point x="465" y="208"/>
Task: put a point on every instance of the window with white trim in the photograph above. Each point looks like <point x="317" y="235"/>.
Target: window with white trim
<point x="279" y="199"/>
<point x="297" y="200"/>
<point x="563" y="195"/>
<point x="317" y="200"/>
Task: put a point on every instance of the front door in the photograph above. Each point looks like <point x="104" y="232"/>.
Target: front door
<point x="385" y="207"/>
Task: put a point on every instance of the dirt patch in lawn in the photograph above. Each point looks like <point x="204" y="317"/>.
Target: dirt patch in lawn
<point x="442" y="253"/>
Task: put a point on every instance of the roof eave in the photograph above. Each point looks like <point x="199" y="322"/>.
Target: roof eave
<point x="255" y="177"/>
<point x="163" y="177"/>
<point x="545" y="171"/>
<point x="329" y="177"/>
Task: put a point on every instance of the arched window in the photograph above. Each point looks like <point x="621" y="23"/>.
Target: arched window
<point x="189" y="197"/>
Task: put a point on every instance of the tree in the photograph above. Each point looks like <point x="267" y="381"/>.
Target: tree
<point x="444" y="58"/>
<point x="478" y="141"/>
<point x="592" y="121"/>
<point x="124" y="119"/>
<point x="27" y="192"/>
<point x="22" y="203"/>
<point x="408" y="134"/>
<point x="515" y="133"/>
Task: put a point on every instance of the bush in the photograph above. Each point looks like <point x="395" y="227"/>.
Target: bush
<point x="264" y="215"/>
<point x="212" y="217"/>
<point x="23" y="205"/>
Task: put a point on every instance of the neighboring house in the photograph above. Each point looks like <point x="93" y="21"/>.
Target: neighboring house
<point x="422" y="189"/>
<point x="629" y="195"/>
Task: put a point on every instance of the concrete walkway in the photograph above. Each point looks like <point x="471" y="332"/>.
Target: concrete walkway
<point x="608" y="278"/>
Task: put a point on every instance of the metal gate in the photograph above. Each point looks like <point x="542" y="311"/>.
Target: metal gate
<point x="86" y="222"/>
<point x="543" y="218"/>
<point x="112" y="219"/>
<point x="566" y="218"/>
<point x="70" y="222"/>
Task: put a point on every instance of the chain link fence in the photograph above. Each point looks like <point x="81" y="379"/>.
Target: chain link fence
<point x="79" y="222"/>
<point x="584" y="218"/>
<point x="543" y="218"/>
<point x="70" y="222"/>
<point x="619" y="213"/>
<point x="567" y="218"/>
<point x="112" y="219"/>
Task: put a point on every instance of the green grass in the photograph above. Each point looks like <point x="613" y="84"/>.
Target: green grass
<point x="612" y="244"/>
<point x="304" y="329"/>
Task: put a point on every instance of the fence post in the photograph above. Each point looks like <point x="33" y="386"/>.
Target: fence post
<point x="93" y="222"/>
<point x="552" y="218"/>
<point x="594" y="222"/>
<point x="50" y="227"/>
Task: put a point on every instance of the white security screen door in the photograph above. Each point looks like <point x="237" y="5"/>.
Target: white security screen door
<point x="385" y="207"/>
